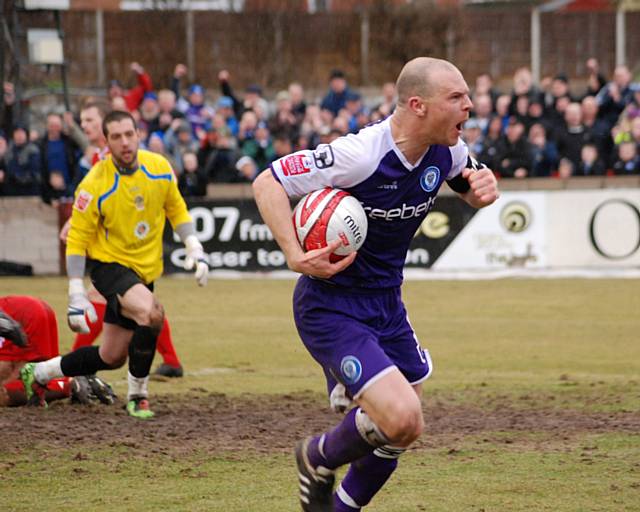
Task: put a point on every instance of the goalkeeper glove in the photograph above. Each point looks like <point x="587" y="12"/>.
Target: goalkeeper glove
<point x="80" y="309"/>
<point x="195" y="257"/>
<point x="12" y="330"/>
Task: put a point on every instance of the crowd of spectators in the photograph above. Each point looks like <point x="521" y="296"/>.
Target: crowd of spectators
<point x="217" y="135"/>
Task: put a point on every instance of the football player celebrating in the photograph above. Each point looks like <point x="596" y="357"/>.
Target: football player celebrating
<point x="350" y="313"/>
<point x="117" y="224"/>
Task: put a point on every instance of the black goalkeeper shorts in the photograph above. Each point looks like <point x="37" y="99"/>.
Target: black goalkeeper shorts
<point x="113" y="280"/>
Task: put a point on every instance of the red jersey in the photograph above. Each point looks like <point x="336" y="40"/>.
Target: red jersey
<point x="100" y="154"/>
<point x="39" y="324"/>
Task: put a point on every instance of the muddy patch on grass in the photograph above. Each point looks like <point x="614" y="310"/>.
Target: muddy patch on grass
<point x="200" y="422"/>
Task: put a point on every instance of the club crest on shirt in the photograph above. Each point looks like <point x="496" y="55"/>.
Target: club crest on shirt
<point x="83" y="200"/>
<point x="351" y="369"/>
<point x="430" y="178"/>
<point x="139" y="202"/>
<point x="142" y="230"/>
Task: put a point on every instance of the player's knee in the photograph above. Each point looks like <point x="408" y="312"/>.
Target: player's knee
<point x="114" y="360"/>
<point x="156" y="316"/>
<point x="406" y="425"/>
<point x="152" y="316"/>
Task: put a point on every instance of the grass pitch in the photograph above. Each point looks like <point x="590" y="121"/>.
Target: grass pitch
<point x="533" y="406"/>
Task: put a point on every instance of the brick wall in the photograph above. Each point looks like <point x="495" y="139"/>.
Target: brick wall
<point x="29" y="233"/>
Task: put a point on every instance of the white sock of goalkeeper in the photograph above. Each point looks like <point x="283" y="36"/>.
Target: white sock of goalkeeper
<point x="137" y="386"/>
<point x="47" y="370"/>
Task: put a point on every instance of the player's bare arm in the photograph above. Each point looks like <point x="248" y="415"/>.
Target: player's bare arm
<point x="275" y="209"/>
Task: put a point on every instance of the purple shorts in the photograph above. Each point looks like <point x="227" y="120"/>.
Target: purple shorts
<point x="357" y="336"/>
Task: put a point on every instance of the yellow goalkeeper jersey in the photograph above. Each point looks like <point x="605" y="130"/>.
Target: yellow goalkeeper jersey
<point x="120" y="218"/>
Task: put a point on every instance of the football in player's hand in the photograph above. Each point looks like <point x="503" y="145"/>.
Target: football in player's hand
<point x="330" y="214"/>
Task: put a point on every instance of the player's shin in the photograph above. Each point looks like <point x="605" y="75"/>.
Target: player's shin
<point x="141" y="351"/>
<point x="365" y="478"/>
<point x="355" y="437"/>
<point x="83" y="361"/>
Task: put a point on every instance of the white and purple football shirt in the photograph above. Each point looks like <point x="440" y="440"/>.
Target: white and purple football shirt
<point x="395" y="194"/>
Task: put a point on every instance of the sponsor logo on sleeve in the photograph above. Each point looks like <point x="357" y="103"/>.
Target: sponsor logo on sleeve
<point x="83" y="200"/>
<point x="294" y="165"/>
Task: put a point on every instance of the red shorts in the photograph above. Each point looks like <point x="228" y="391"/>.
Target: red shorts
<point x="40" y="325"/>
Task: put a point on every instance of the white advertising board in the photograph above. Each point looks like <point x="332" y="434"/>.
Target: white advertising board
<point x="508" y="234"/>
<point x="594" y="228"/>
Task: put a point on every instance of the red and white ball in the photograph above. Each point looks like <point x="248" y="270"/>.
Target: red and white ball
<point x="330" y="214"/>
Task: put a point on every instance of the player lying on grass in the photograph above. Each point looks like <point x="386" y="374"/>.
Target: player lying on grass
<point x="29" y="332"/>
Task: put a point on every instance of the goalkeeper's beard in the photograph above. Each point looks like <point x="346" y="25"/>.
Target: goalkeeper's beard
<point x="125" y="168"/>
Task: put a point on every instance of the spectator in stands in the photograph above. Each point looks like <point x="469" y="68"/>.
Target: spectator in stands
<point x="60" y="155"/>
<point x="615" y="96"/>
<point x="282" y="145"/>
<point x="260" y="146"/>
<point x="590" y="163"/>
<point x="24" y="166"/>
<point x="179" y="140"/>
<point x="628" y="161"/>
<point x="354" y="109"/>
<point x="491" y="143"/>
<point x="298" y="104"/>
<point x="484" y="85"/>
<point x="218" y="154"/>
<point x="523" y="86"/>
<point x="336" y="97"/>
<point x="503" y="107"/>
<point x="559" y="87"/>
<point x="312" y="124"/>
<point x="119" y="103"/>
<point x="9" y="101"/>
<point x="388" y="102"/>
<point x="341" y="123"/>
<point x="167" y="103"/>
<point x="595" y="80"/>
<point x="573" y="136"/>
<point x="156" y="144"/>
<point x="132" y="97"/>
<point x="196" y="112"/>
<point x="514" y="152"/>
<point x="247" y="127"/>
<point x="252" y="99"/>
<point x="565" y="169"/>
<point x="150" y="113"/>
<point x="544" y="152"/>
<point x="193" y="181"/>
<point x="224" y="108"/>
<point x="284" y="119"/>
<point x="597" y="129"/>
<point x="472" y="135"/>
<point x="247" y="169"/>
<point x="482" y="110"/>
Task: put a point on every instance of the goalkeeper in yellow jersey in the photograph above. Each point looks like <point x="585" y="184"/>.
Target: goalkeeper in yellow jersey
<point x="116" y="232"/>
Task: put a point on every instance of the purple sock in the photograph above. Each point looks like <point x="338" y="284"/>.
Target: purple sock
<point x="341" y="445"/>
<point x="365" y="478"/>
